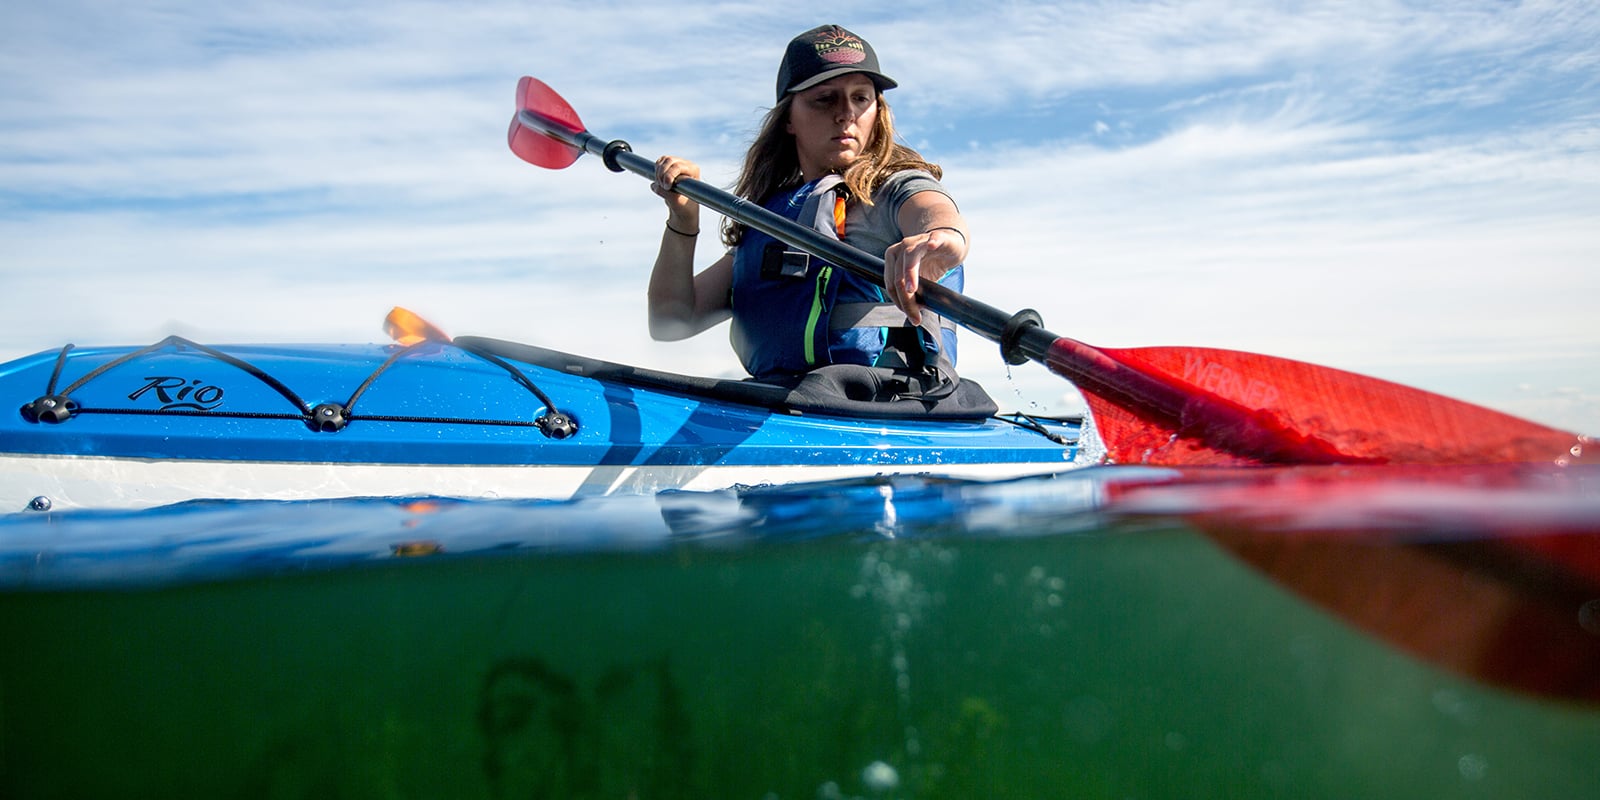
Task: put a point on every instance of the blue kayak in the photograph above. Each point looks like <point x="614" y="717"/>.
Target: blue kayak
<point x="129" y="427"/>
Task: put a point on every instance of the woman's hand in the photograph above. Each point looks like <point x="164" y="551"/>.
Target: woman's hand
<point x="924" y="256"/>
<point x="683" y="214"/>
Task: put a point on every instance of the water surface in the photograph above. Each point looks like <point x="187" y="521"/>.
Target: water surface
<point x="1112" y="632"/>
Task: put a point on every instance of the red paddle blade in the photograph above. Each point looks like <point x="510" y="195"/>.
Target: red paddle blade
<point x="1237" y="409"/>
<point x="535" y="147"/>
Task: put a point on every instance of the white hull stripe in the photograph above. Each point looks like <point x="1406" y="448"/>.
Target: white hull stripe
<point x="69" y="482"/>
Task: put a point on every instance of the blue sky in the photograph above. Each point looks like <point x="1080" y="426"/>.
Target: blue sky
<point x="1405" y="190"/>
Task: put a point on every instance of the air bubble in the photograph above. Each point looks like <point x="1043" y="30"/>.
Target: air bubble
<point x="880" y="777"/>
<point x="1473" y="767"/>
<point x="1589" y="617"/>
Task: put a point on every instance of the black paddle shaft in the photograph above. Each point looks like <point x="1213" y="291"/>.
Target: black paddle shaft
<point x="1021" y="336"/>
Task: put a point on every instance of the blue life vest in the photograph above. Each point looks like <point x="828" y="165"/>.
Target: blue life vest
<point x="793" y="312"/>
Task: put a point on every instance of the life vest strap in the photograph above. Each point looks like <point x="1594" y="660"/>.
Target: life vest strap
<point x="881" y="315"/>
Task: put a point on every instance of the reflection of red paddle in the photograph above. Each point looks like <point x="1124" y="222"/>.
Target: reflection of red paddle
<point x="1472" y="608"/>
<point x="1509" y="596"/>
<point x="1157" y="405"/>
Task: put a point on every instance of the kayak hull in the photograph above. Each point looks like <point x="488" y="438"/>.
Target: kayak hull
<point x="178" y="421"/>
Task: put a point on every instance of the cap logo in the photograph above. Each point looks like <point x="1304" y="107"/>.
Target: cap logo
<point x="838" y="47"/>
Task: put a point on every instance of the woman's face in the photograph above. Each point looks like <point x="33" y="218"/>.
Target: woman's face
<point x="832" y="123"/>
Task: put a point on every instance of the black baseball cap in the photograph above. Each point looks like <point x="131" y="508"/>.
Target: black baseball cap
<point x="824" y="53"/>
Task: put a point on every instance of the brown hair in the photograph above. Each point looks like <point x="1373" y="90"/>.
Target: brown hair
<point x="772" y="163"/>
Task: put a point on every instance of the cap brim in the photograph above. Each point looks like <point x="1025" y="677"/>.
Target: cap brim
<point x="883" y="81"/>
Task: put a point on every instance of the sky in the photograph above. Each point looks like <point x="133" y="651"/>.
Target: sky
<point x="1405" y="190"/>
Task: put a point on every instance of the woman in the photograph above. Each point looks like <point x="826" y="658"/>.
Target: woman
<point x="825" y="156"/>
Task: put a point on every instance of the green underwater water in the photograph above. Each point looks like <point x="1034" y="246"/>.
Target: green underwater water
<point x="1141" y="664"/>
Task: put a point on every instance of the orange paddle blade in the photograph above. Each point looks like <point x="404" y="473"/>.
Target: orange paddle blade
<point x="405" y="327"/>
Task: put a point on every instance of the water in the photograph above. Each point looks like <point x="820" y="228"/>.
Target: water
<point x="1109" y="633"/>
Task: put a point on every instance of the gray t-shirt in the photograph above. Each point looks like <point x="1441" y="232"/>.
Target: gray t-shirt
<point x="873" y="228"/>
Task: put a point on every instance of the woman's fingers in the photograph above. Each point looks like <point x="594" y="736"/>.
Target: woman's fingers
<point x="669" y="170"/>
<point x="902" y="276"/>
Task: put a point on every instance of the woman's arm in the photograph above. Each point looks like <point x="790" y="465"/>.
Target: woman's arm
<point x="936" y="242"/>
<point x="681" y="303"/>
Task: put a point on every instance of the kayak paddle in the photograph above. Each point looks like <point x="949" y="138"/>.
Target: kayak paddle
<point x="1178" y="406"/>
